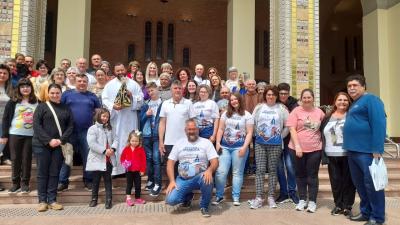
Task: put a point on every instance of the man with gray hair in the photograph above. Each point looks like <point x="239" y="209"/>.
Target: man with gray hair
<point x="199" y="75"/>
<point x="81" y="64"/>
<point x="198" y="160"/>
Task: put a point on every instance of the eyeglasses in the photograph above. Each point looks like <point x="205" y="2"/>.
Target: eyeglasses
<point x="283" y="93"/>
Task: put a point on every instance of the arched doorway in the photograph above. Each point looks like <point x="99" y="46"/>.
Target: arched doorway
<point x="341" y="45"/>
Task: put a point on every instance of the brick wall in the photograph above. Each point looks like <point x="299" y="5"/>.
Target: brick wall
<point x="112" y="30"/>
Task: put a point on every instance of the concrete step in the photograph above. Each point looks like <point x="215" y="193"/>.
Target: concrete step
<point x="249" y="180"/>
<point x="79" y="195"/>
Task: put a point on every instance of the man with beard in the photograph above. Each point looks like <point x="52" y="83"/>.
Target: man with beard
<point x="198" y="160"/>
<point x="123" y="118"/>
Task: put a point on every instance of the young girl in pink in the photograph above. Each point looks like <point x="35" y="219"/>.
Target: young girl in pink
<point x="133" y="158"/>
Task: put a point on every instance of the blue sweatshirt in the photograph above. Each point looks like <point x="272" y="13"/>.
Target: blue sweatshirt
<point x="365" y="127"/>
<point x="82" y="105"/>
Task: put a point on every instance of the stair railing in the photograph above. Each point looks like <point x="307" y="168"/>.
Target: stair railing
<point x="389" y="141"/>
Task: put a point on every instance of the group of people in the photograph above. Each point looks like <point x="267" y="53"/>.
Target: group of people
<point x="128" y="122"/>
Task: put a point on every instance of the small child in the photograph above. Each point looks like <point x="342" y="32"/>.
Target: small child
<point x="133" y="158"/>
<point x="101" y="157"/>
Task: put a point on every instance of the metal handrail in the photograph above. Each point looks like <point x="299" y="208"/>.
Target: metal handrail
<point x="396" y="145"/>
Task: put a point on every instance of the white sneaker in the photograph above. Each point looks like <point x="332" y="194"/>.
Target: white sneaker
<point x="236" y="202"/>
<point x="301" y="206"/>
<point x="271" y="202"/>
<point x="255" y="203"/>
<point x="312" y="207"/>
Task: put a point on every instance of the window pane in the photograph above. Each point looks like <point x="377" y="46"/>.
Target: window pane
<point x="170" y="43"/>
<point x="257" y="48"/>
<point x="147" y="41"/>
<point x="131" y="52"/>
<point x="159" y="50"/>
<point x="186" y="57"/>
<point x="266" y="49"/>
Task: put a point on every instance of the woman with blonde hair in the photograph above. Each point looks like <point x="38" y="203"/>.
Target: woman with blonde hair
<point x="57" y="76"/>
<point x="152" y="73"/>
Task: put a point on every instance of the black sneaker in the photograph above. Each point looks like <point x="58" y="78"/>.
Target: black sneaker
<point x="15" y="188"/>
<point x="282" y="199"/>
<point x="155" y="191"/>
<point x="217" y="201"/>
<point x="336" y="211"/>
<point x="149" y="186"/>
<point x="294" y="198"/>
<point x="25" y="189"/>
<point x="186" y="204"/>
<point x="347" y="213"/>
<point x="88" y="186"/>
<point x="1" y="188"/>
<point x="205" y="212"/>
<point x="62" y="187"/>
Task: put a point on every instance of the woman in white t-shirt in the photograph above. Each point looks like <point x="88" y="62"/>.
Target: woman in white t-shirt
<point x="234" y="135"/>
<point x="343" y="189"/>
<point x="206" y="113"/>
<point x="269" y="118"/>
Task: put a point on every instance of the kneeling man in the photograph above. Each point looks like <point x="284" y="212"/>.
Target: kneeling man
<point x="198" y="160"/>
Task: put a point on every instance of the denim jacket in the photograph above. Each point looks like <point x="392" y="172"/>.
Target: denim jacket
<point x="145" y="121"/>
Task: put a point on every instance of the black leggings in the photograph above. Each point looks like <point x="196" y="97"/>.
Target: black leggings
<point x="107" y="182"/>
<point x="133" y="178"/>
<point x="21" y="157"/>
<point x="307" y="168"/>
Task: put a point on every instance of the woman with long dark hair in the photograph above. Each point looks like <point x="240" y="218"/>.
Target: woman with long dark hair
<point x="46" y="144"/>
<point x="6" y="92"/>
<point x="234" y="135"/>
<point x="342" y="186"/>
<point x="17" y="129"/>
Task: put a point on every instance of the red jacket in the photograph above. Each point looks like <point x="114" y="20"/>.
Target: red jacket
<point x="136" y="159"/>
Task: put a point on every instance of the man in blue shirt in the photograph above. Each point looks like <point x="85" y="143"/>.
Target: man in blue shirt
<point x="363" y="137"/>
<point x="83" y="104"/>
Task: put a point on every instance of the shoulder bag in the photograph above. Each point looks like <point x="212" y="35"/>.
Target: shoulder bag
<point x="67" y="149"/>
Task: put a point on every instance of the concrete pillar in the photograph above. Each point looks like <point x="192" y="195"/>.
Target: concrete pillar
<point x="241" y="39"/>
<point x="294" y="28"/>
<point x="381" y="55"/>
<point x="26" y="30"/>
<point x="73" y="29"/>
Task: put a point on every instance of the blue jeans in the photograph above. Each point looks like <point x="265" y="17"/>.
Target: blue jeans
<point x="79" y="142"/>
<point x="49" y="163"/>
<point x="372" y="203"/>
<point x="184" y="191"/>
<point x="230" y="156"/>
<point x="289" y="185"/>
<point x="153" y="159"/>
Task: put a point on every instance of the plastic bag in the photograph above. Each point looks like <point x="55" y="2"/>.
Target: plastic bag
<point x="378" y="173"/>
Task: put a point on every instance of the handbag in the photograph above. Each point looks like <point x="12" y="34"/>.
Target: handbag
<point x="67" y="148"/>
<point x="378" y="172"/>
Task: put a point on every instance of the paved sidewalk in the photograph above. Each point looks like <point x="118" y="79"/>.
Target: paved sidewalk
<point x="160" y="214"/>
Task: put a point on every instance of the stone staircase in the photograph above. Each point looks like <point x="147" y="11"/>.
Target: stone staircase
<point x="77" y="194"/>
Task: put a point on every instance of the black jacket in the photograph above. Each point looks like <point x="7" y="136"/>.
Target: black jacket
<point x="44" y="125"/>
<point x="8" y="116"/>
<point x="290" y="104"/>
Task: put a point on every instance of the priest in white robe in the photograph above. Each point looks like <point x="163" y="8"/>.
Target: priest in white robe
<point x="123" y="119"/>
